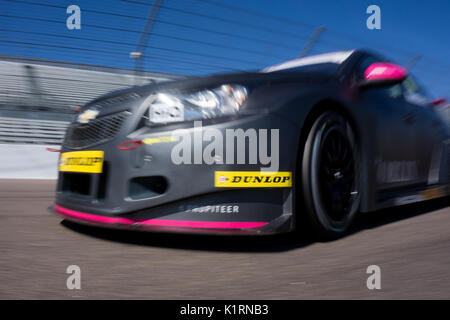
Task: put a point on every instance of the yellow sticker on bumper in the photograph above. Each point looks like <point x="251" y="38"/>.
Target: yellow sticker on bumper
<point x="252" y="179"/>
<point x="81" y="161"/>
<point x="164" y="139"/>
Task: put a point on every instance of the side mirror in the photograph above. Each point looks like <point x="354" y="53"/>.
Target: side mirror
<point x="382" y="74"/>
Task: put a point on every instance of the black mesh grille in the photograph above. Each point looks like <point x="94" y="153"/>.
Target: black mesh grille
<point x="96" y="131"/>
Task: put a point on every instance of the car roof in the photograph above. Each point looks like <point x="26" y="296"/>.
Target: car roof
<point x="337" y="57"/>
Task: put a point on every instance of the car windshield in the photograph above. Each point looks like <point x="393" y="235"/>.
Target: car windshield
<point x="328" y="62"/>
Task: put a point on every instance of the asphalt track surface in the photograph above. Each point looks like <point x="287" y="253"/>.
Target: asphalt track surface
<point x="411" y="245"/>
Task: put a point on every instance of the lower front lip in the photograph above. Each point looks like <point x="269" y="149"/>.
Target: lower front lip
<point x="120" y="221"/>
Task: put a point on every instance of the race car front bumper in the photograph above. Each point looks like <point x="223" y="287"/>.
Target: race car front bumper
<point x="143" y="188"/>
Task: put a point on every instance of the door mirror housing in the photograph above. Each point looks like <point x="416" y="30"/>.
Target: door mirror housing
<point x="383" y="74"/>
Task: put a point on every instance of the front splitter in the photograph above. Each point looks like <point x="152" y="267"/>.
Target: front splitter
<point x="179" y="226"/>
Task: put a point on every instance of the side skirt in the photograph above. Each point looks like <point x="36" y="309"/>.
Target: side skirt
<point x="398" y="198"/>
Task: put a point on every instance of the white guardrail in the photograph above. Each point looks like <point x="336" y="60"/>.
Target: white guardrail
<point x="27" y="161"/>
<point x="23" y="144"/>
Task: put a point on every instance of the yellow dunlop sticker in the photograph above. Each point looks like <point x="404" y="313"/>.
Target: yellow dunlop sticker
<point x="434" y="193"/>
<point x="81" y="161"/>
<point x="252" y="179"/>
<point x="163" y="139"/>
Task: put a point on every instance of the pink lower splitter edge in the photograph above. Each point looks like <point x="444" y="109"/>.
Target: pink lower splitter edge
<point x="156" y="222"/>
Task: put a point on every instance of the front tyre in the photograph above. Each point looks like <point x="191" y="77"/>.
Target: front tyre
<point x="330" y="175"/>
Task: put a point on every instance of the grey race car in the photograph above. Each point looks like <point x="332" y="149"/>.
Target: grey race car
<point x="310" y="141"/>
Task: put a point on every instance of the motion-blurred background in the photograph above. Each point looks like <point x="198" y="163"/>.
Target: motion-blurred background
<point x="47" y="70"/>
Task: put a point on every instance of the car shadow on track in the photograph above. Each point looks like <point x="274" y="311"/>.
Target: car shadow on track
<point x="268" y="243"/>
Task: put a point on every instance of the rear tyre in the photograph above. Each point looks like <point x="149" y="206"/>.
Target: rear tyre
<point x="330" y="176"/>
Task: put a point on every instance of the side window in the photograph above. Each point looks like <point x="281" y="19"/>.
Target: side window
<point x="394" y="91"/>
<point x="413" y="93"/>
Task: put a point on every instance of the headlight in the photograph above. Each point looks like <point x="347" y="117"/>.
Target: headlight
<point x="206" y="104"/>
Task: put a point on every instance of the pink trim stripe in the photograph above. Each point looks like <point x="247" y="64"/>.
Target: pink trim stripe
<point x="157" y="222"/>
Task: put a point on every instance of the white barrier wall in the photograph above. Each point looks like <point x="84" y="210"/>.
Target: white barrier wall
<point x="26" y="161"/>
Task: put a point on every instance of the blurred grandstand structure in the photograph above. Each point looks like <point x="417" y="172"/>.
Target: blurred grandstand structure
<point x="33" y="84"/>
<point x="38" y="98"/>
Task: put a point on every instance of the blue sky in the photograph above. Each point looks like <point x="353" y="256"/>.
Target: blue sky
<point x="210" y="36"/>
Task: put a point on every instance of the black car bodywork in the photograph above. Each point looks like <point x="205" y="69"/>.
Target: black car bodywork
<point x="403" y="145"/>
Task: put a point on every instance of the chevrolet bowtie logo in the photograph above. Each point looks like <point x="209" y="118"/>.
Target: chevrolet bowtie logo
<point x="87" y="116"/>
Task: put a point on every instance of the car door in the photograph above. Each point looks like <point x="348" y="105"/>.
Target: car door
<point x="396" y="124"/>
<point x="430" y="132"/>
